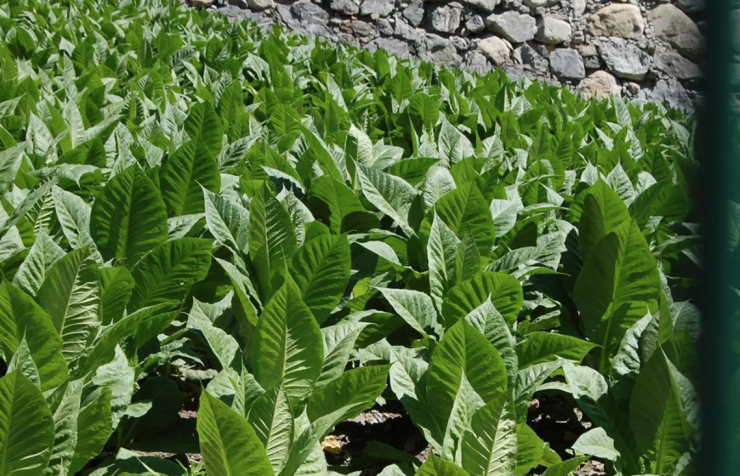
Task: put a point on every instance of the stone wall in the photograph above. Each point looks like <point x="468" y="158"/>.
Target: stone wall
<point x="642" y="49"/>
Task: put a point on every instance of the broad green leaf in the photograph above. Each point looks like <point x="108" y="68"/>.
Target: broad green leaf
<point x="663" y="412"/>
<point x="74" y="215"/>
<point x="658" y="332"/>
<point x="94" y="427"/>
<point x="414" y="307"/>
<point x="467" y="403"/>
<point x="468" y="260"/>
<point x="228" y="443"/>
<point x="24" y="212"/>
<point x="438" y="183"/>
<point x="464" y="354"/>
<point x="390" y="194"/>
<point x="442" y="250"/>
<point x="287" y="344"/>
<point x="184" y="226"/>
<point x="426" y="108"/>
<point x="11" y="244"/>
<point x="615" y="288"/>
<point x="167" y="273"/>
<point x="400" y="85"/>
<point x="491" y="324"/>
<point x="349" y="395"/>
<point x="339" y="341"/>
<point x="566" y="467"/>
<point x="65" y="429"/>
<point x="603" y="212"/>
<point x="70" y="295"/>
<point x="541" y="347"/>
<point x="128" y="218"/>
<point x="528" y="381"/>
<point x="272" y="240"/>
<point x="620" y="182"/>
<point x="465" y="210"/>
<point x="321" y="269"/>
<point x="490" y="446"/>
<point x="530" y="449"/>
<point x="22" y="361"/>
<point x="359" y="147"/>
<point x="435" y="466"/>
<point x="244" y="290"/>
<point x="193" y="165"/>
<point x="662" y="199"/>
<point x="504" y="213"/>
<point x="303" y="220"/>
<point x="118" y="377"/>
<point x="116" y="287"/>
<point x="227" y="220"/>
<point x="131" y="462"/>
<point x="453" y="145"/>
<point x="224" y="346"/>
<point x="590" y="390"/>
<point x="596" y="442"/>
<point x="315" y="463"/>
<point x="102" y="350"/>
<point x="333" y="201"/>
<point x="626" y="364"/>
<point x="384" y="250"/>
<point x="21" y="317"/>
<point x="504" y="291"/>
<point x="272" y="419"/>
<point x="26" y="427"/>
<point x="406" y="374"/>
<point x="10" y="162"/>
<point x="308" y="435"/>
<point x="44" y="253"/>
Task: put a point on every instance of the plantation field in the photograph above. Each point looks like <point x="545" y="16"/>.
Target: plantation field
<point x="226" y="251"/>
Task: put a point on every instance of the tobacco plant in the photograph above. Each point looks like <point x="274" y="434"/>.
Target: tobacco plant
<point x="224" y="241"/>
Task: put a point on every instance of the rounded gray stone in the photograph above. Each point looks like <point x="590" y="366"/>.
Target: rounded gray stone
<point x="566" y="63"/>
<point x="599" y="85"/>
<point x="446" y="19"/>
<point x="527" y="55"/>
<point x="406" y="32"/>
<point x="482" y="5"/>
<point x="384" y="27"/>
<point x="624" y="59"/>
<point x="348" y="7"/>
<point x="515" y="27"/>
<point x="578" y="6"/>
<point x="414" y="13"/>
<point x="364" y="29"/>
<point x="475" y="24"/>
<point x="446" y="56"/>
<point x="617" y="19"/>
<point x="391" y="45"/>
<point x="495" y="49"/>
<point x="553" y="31"/>
<point x="674" y="27"/>
<point x="670" y="62"/>
<point x="477" y="63"/>
<point x="260" y="4"/>
<point x="382" y="8"/>
<point x="539" y="3"/>
<point x="309" y="13"/>
<point x="670" y="91"/>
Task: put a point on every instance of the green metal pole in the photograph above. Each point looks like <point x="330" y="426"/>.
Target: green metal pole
<point x="719" y="162"/>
